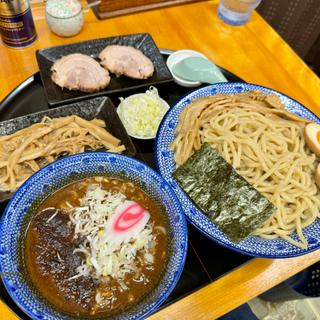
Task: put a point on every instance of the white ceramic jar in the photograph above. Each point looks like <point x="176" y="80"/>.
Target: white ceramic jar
<point x="64" y="17"/>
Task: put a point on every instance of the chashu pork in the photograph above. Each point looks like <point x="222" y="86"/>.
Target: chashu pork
<point x="128" y="61"/>
<point x="79" y="72"/>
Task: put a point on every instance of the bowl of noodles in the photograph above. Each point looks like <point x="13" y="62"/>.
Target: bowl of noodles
<point x="94" y="235"/>
<point x="260" y="133"/>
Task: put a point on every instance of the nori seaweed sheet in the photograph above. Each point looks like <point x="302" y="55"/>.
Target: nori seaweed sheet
<point x="235" y="206"/>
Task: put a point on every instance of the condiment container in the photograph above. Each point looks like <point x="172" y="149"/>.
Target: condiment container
<point x="64" y="17"/>
<point x="16" y="24"/>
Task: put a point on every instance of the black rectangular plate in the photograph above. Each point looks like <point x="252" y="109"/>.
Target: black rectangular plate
<point x="141" y="41"/>
<point x="100" y="108"/>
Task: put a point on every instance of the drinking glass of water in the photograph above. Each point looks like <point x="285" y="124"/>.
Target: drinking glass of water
<point x="236" y="12"/>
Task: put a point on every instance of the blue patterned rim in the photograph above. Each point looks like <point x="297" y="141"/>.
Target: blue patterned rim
<point x="254" y="246"/>
<point x="60" y="173"/>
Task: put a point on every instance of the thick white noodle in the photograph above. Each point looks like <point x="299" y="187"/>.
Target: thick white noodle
<point x="271" y="154"/>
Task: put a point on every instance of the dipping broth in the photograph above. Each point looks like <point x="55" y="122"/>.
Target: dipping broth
<point x="96" y="247"/>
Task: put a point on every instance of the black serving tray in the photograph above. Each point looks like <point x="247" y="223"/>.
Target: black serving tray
<point x="92" y="48"/>
<point x="206" y="261"/>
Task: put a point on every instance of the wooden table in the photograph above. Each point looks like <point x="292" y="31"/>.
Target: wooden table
<point x="256" y="54"/>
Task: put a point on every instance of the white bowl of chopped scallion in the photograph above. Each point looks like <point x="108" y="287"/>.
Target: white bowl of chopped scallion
<point x="142" y="113"/>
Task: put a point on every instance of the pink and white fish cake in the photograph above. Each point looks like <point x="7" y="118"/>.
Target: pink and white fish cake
<point x="126" y="223"/>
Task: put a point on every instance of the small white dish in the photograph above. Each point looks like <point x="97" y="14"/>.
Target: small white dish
<point x="131" y="120"/>
<point x="178" y="56"/>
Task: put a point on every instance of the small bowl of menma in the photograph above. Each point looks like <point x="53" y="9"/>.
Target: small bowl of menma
<point x="92" y="236"/>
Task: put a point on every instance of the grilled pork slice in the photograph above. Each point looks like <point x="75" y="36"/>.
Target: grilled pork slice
<point x="126" y="60"/>
<point x="79" y="72"/>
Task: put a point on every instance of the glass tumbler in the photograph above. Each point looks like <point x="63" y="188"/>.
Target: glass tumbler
<point x="236" y="12"/>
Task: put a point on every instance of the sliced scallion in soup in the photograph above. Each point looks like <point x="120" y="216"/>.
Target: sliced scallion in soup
<point x="97" y="246"/>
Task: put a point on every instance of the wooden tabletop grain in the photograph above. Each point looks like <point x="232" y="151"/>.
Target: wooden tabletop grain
<point x="254" y="52"/>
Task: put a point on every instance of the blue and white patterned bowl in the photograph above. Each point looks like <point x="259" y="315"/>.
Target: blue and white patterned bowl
<point x="60" y="173"/>
<point x="254" y="246"/>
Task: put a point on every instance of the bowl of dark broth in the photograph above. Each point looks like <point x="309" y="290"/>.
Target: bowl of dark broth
<point x="92" y="236"/>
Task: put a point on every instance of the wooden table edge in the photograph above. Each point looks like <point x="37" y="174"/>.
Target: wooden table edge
<point x="235" y="288"/>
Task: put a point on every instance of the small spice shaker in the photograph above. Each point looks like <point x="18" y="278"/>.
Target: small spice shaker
<point x="64" y="17"/>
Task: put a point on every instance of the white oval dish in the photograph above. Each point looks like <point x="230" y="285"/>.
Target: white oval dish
<point x="178" y="56"/>
<point x="121" y="112"/>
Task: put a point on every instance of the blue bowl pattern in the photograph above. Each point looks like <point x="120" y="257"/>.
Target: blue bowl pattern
<point x="59" y="173"/>
<point x="254" y="246"/>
